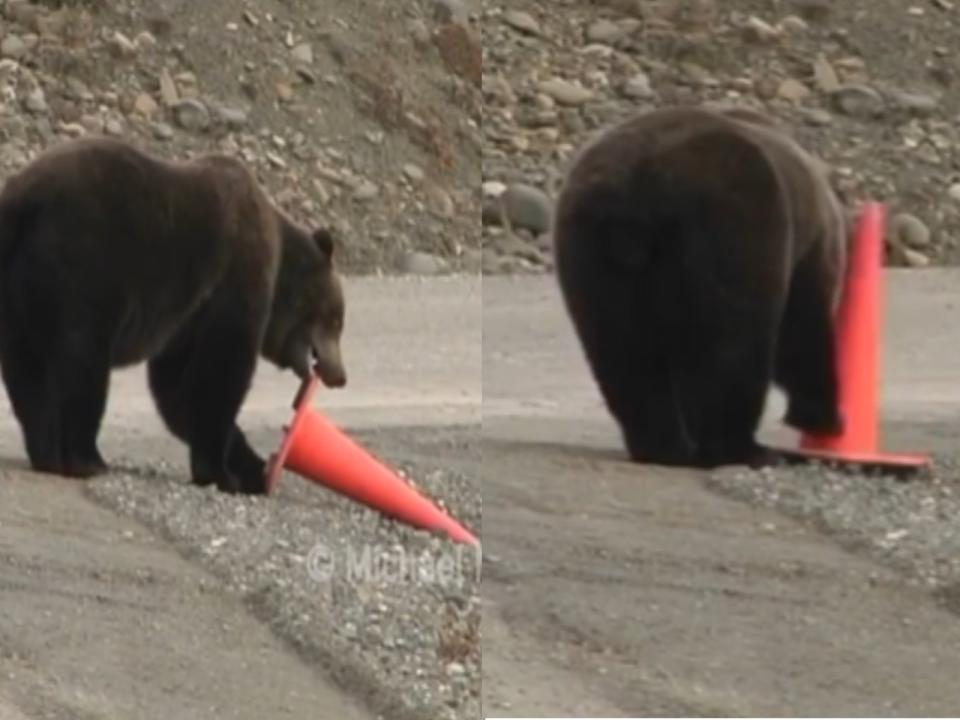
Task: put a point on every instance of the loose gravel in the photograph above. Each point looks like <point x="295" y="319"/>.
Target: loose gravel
<point x="390" y="612"/>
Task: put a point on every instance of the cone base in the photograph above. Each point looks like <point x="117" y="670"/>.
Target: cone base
<point x="301" y="404"/>
<point x="896" y="463"/>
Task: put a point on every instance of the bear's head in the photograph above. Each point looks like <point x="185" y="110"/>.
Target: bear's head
<point x="307" y="318"/>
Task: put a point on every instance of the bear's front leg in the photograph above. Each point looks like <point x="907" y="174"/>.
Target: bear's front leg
<point x="806" y="354"/>
<point x="224" y="356"/>
<point x="198" y="387"/>
<point x="244" y="462"/>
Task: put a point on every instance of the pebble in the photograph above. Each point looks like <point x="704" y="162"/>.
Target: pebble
<point x="113" y="127"/>
<point x="275" y="160"/>
<point x="824" y="75"/>
<point x="365" y="191"/>
<point x="954" y="192"/>
<point x="36" y="101"/>
<point x="192" y="115"/>
<point x="638" y="87"/>
<point x="565" y="92"/>
<point x="232" y="117"/>
<point x="168" y="89"/>
<point x="758" y="30"/>
<point x="915" y="258"/>
<point x="13" y="47"/>
<point x="527" y="207"/>
<point x="915" y="102"/>
<point x="909" y="231"/>
<point x="522" y="21"/>
<point x="607" y="32"/>
<point x="859" y="101"/>
<point x="303" y="53"/>
<point x="145" y="105"/>
<point x="422" y="263"/>
<point x="493" y="188"/>
<point x="162" y="131"/>
<point x="793" y="90"/>
<point x="413" y="172"/>
<point x="122" y="46"/>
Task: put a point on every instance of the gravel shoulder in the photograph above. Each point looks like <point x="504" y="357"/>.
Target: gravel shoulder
<point x="631" y="591"/>
<point x="868" y="85"/>
<point x="286" y="573"/>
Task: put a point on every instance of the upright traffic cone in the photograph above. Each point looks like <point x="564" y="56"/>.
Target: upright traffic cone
<point x="315" y="449"/>
<point x="858" y="350"/>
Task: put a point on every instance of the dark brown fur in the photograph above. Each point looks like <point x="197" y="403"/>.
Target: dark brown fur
<point x="110" y="257"/>
<point x="699" y="253"/>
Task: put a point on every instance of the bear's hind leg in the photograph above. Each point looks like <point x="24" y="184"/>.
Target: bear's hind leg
<point x="629" y="362"/>
<point x="31" y="392"/>
<point x="731" y="390"/>
<point x="83" y="378"/>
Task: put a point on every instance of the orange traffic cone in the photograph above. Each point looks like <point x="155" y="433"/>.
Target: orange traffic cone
<point x="315" y="449"/>
<point x="858" y="328"/>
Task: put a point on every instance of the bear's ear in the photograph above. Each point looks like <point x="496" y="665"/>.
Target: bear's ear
<point x="324" y="241"/>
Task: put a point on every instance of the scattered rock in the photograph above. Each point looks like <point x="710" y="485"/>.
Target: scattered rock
<point x="13" y="47"/>
<point x="275" y="160"/>
<point x="365" y="191"/>
<point x="303" y="53"/>
<point x="234" y="118"/>
<point x="192" y="115"/>
<point x="638" y="87"/>
<point x="162" y="131"/>
<point x="421" y="263"/>
<point x="608" y="32"/>
<point x="918" y="103"/>
<point x="36" y="101"/>
<point x="793" y="90"/>
<point x="168" y="89"/>
<point x="413" y="172"/>
<point x="145" y="105"/>
<point x="859" y="101"/>
<point x="527" y="207"/>
<point x="565" y="92"/>
<point x="493" y="188"/>
<point x="757" y="30"/>
<point x="825" y="76"/>
<point x="122" y="46"/>
<point x="909" y="231"/>
<point x="915" y="258"/>
<point x="522" y="21"/>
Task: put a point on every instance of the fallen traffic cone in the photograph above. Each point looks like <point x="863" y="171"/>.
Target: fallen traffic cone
<point x="858" y="348"/>
<point x="315" y="449"/>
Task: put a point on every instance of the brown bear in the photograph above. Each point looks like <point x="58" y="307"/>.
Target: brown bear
<point x="700" y="253"/>
<point x="110" y="257"/>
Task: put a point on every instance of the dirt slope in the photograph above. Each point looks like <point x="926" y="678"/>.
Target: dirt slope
<point x="358" y="112"/>
<point x="868" y="84"/>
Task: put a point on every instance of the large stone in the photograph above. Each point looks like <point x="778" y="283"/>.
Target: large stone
<point x="522" y="21"/>
<point x="527" y="207"/>
<point x="565" y="92"/>
<point x="860" y="101"/>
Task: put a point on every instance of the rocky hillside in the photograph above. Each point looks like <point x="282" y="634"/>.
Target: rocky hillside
<point x="870" y="85"/>
<point x="360" y="113"/>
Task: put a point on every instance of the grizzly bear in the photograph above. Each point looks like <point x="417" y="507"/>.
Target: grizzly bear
<point x="700" y="254"/>
<point x="110" y="257"/>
